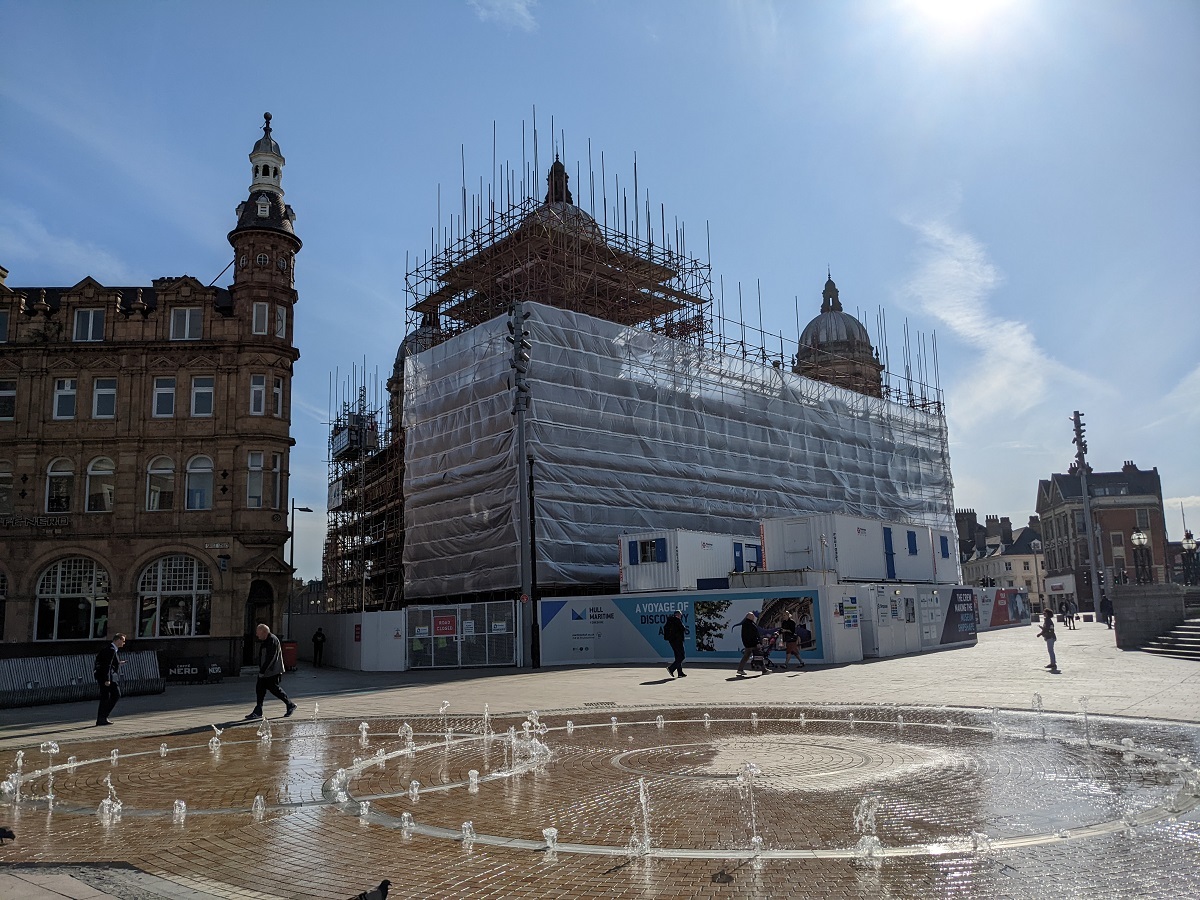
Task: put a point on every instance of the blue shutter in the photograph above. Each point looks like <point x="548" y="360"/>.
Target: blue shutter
<point x="889" y="554"/>
<point x="738" y="559"/>
<point x="633" y="553"/>
<point x="945" y="547"/>
<point x="912" y="543"/>
<point x="660" y="549"/>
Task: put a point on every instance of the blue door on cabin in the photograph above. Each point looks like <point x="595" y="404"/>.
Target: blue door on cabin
<point x="739" y="564"/>
<point x="889" y="555"/>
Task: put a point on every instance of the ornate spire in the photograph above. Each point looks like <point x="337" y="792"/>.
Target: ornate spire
<point x="556" y="183"/>
<point x="829" y="297"/>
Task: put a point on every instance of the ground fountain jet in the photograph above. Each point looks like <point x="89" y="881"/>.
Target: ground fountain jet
<point x="745" y="783"/>
<point x="639" y="841"/>
<point x="869" y="848"/>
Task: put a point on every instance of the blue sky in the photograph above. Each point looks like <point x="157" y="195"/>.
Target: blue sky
<point x="1020" y="179"/>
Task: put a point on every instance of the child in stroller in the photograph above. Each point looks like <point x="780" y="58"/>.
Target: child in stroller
<point x="761" y="657"/>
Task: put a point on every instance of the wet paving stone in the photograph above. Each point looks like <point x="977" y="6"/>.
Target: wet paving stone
<point x="752" y="801"/>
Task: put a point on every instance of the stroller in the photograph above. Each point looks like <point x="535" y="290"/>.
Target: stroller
<point x="761" y="657"/>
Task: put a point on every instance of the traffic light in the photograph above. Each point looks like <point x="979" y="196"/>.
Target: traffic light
<point x="1087" y="578"/>
<point x="1079" y="440"/>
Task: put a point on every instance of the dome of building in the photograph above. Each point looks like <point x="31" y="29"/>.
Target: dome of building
<point x="427" y="334"/>
<point x="835" y="347"/>
<point x="559" y="211"/>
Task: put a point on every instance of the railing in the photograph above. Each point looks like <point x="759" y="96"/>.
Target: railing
<point x="35" y="680"/>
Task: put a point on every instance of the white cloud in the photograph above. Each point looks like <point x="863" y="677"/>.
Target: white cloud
<point x="27" y="241"/>
<point x="1181" y="405"/>
<point x="514" y="13"/>
<point x="952" y="284"/>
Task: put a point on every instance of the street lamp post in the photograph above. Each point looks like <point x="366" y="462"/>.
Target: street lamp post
<point x="1188" y="545"/>
<point x="1036" y="547"/>
<point x="292" y="559"/>
<point x="1143" y="573"/>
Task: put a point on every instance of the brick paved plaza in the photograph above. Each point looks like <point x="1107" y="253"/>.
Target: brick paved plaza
<point x="920" y="776"/>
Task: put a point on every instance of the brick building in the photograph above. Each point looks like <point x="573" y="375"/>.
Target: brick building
<point x="1122" y="502"/>
<point x="145" y="433"/>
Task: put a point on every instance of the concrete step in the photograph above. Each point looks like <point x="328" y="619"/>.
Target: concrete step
<point x="1177" y="654"/>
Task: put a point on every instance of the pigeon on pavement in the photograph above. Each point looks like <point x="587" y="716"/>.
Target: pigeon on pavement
<point x="379" y="893"/>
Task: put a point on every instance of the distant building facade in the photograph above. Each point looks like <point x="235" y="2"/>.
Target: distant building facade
<point x="145" y="434"/>
<point x="1122" y="502"/>
<point x="997" y="555"/>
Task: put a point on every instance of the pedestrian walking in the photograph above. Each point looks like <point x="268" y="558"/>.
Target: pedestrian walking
<point x="791" y="640"/>
<point x="750" y="640"/>
<point x="1106" y="611"/>
<point x="1047" y="632"/>
<point x="674" y="632"/>
<point x="108" y="667"/>
<point x="318" y="640"/>
<point x="270" y="672"/>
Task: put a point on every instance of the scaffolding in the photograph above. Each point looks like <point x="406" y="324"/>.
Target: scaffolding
<point x="637" y="377"/>
<point x="364" y="540"/>
<point x="555" y="253"/>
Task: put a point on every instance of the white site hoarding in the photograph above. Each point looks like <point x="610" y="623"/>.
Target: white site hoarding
<point x="627" y="628"/>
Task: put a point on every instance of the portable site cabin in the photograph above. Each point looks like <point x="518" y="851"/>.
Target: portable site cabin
<point x="679" y="560"/>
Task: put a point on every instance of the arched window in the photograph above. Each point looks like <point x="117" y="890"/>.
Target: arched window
<point x="174" y="597"/>
<point x="160" y="484"/>
<point x="6" y="488"/>
<point x="72" y="601"/>
<point x="60" y="486"/>
<point x="101" y="484"/>
<point x="199" y="483"/>
<point x="263" y="259"/>
<point x="256" y="171"/>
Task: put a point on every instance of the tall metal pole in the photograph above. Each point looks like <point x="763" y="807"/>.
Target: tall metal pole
<point x="1089" y="523"/>
<point x="519" y="338"/>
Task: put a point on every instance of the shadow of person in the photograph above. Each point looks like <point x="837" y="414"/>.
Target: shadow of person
<point x="658" y="681"/>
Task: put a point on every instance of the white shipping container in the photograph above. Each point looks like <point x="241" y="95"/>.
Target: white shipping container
<point x="848" y="545"/>
<point x="678" y="560"/>
<point x="912" y="553"/>
<point x="946" y="568"/>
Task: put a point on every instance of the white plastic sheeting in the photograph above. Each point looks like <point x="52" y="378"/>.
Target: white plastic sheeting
<point x="631" y="431"/>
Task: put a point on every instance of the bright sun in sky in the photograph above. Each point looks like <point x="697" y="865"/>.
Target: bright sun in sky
<point x="957" y="20"/>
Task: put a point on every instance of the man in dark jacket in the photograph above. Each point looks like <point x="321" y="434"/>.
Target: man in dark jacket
<point x="674" y="632"/>
<point x="108" y="665"/>
<point x="318" y="640"/>
<point x="749" y="639"/>
<point x="270" y="672"/>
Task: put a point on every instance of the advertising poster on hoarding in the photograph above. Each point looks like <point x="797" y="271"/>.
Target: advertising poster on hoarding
<point x="628" y="628"/>
<point x="960" y="617"/>
<point x="1011" y="608"/>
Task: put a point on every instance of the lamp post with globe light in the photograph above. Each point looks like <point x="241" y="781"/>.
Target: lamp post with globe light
<point x="1191" y="575"/>
<point x="1143" y="572"/>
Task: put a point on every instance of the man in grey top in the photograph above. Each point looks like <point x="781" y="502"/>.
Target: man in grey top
<point x="270" y="672"/>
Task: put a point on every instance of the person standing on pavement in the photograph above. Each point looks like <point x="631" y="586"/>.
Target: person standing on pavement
<point x="1047" y="632"/>
<point x="1106" y="611"/>
<point x="791" y="640"/>
<point x="750" y="640"/>
<point x="674" y="632"/>
<point x="270" y="672"/>
<point x="108" y="667"/>
<point x="318" y="640"/>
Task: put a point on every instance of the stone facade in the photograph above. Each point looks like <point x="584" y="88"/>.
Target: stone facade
<point x="1145" y="611"/>
<point x="145" y="434"/>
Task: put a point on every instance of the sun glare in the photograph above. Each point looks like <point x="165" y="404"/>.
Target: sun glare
<point x="958" y="20"/>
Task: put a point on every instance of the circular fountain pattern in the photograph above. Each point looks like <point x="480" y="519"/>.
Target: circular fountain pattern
<point x="814" y="783"/>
